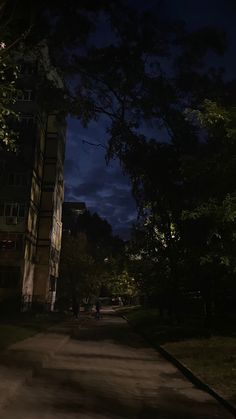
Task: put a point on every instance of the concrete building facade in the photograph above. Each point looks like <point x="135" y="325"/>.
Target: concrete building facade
<point x="31" y="197"/>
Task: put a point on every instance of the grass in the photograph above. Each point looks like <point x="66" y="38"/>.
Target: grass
<point x="213" y="360"/>
<point x="208" y="353"/>
<point x="18" y="327"/>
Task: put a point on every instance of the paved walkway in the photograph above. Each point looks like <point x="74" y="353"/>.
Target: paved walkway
<point x="107" y="372"/>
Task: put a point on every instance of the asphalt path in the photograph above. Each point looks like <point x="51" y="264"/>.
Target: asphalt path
<point x="106" y="371"/>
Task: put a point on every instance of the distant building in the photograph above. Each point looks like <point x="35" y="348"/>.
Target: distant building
<point x="31" y="197"/>
<point x="71" y="212"/>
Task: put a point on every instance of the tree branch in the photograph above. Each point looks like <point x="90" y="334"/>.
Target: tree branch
<point x="94" y="144"/>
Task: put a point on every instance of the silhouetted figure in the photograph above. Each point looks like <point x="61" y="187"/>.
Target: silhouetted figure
<point x="98" y="308"/>
<point x="75" y="308"/>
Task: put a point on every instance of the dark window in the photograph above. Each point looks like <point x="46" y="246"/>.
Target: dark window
<point x="19" y="242"/>
<point x="8" y="209"/>
<point x="7" y="244"/>
<point x="14" y="209"/>
<point x="9" y="276"/>
<point x="25" y="95"/>
<point x="26" y="121"/>
<point x="11" y="179"/>
<point x="21" y="211"/>
<point x="11" y="241"/>
<point x="17" y="179"/>
<point x="28" y="69"/>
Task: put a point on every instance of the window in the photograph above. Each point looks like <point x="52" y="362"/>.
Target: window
<point x="12" y="209"/>
<point x="28" y="69"/>
<point x="11" y="241"/>
<point x="7" y="244"/>
<point x="9" y="276"/>
<point x="26" y="121"/>
<point x="25" y="95"/>
<point x="21" y="210"/>
<point x="17" y="179"/>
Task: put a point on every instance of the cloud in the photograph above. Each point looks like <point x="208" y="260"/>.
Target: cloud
<point x="103" y="188"/>
<point x="71" y="167"/>
<point x="117" y="206"/>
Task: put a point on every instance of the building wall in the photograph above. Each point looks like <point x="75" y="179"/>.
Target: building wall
<point x="50" y="226"/>
<point x="20" y="192"/>
<point x="31" y="196"/>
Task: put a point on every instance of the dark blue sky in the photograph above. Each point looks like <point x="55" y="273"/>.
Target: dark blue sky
<point x="103" y="188"/>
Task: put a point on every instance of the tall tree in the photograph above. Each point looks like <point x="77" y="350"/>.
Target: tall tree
<point x="92" y="259"/>
<point x="147" y="73"/>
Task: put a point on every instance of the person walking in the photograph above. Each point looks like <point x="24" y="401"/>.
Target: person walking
<point x="98" y="308"/>
<point x="75" y="308"/>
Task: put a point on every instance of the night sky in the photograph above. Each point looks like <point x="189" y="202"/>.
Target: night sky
<point x="105" y="189"/>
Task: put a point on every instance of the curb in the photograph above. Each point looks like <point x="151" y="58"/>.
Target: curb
<point x="195" y="380"/>
<point x="188" y="373"/>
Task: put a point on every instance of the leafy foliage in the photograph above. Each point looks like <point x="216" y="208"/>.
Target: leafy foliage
<point x="8" y="92"/>
<point x="152" y="74"/>
<point x="78" y="269"/>
<point x="92" y="261"/>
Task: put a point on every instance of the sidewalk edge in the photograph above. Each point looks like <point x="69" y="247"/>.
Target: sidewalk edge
<point x="188" y="373"/>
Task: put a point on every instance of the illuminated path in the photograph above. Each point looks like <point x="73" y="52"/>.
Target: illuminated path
<point x="106" y="371"/>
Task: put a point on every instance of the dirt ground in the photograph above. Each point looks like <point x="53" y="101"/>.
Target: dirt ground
<point x="106" y="371"/>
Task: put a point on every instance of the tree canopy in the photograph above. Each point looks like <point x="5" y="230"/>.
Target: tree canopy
<point x="149" y="73"/>
<point x="93" y="261"/>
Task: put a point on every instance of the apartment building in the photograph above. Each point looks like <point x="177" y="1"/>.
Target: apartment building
<point x="31" y="197"/>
